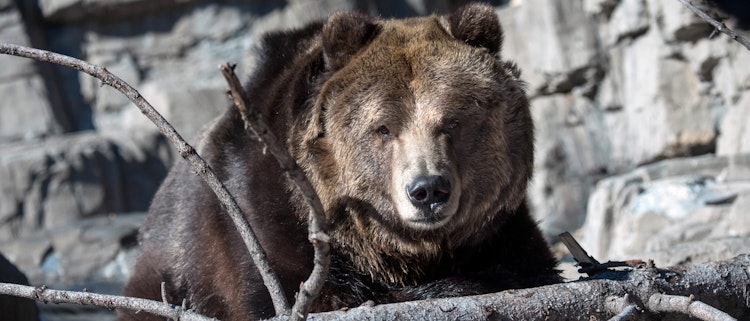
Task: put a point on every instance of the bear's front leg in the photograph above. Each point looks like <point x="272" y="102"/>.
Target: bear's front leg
<point x="454" y="287"/>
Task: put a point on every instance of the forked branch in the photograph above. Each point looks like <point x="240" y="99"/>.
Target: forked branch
<point x="317" y="223"/>
<point x="187" y="152"/>
<point x="103" y="300"/>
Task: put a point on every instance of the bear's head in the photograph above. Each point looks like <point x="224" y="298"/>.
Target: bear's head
<point x="420" y="132"/>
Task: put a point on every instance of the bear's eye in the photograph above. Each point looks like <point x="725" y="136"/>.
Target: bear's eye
<point x="453" y="124"/>
<point x="382" y="130"/>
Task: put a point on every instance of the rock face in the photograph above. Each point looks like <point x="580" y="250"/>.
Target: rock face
<point x="63" y="179"/>
<point x="619" y="84"/>
<point x="619" y="88"/>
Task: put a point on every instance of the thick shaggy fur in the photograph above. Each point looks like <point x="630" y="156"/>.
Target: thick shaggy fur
<point x="367" y="107"/>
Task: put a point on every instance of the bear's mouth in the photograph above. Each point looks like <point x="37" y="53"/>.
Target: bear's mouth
<point x="428" y="217"/>
<point x="429" y="220"/>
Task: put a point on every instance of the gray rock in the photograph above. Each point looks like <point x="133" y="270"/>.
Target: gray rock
<point x="735" y="135"/>
<point x="76" y="10"/>
<point x="63" y="179"/>
<point x="106" y="102"/>
<point x="600" y="7"/>
<point x="188" y="109"/>
<point x="731" y="77"/>
<point x="25" y="111"/>
<point x="555" y="45"/>
<point x="663" y="113"/>
<point x="659" y="206"/>
<point x="700" y="251"/>
<point x="95" y="253"/>
<point x="11" y="31"/>
<point x="570" y="156"/>
<point x="629" y="19"/>
<point x="679" y="23"/>
<point x="704" y="55"/>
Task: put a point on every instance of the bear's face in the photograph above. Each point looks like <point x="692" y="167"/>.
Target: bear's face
<point x="420" y="126"/>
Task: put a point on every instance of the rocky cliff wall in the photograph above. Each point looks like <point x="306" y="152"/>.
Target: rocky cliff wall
<point x="618" y="87"/>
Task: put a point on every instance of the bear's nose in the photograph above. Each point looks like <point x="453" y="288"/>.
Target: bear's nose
<point x="429" y="191"/>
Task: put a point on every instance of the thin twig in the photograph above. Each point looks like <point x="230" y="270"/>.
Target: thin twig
<point x="318" y="225"/>
<point x="45" y="295"/>
<point x="187" y="152"/>
<point x="686" y="305"/>
<point x="720" y="26"/>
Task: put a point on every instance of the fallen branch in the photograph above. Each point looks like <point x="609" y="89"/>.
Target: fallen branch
<point x="686" y="305"/>
<point x="45" y="295"/>
<point x="187" y="152"/>
<point x="720" y="26"/>
<point x="627" y="310"/>
<point x="723" y="285"/>
<point x="317" y="223"/>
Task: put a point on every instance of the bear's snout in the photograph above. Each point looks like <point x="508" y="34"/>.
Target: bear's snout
<point x="427" y="192"/>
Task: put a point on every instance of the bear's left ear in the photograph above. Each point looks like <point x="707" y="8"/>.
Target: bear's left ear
<point x="344" y="34"/>
<point x="477" y="25"/>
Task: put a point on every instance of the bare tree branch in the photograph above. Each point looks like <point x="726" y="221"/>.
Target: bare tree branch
<point x="45" y="295"/>
<point x="720" y="26"/>
<point x="722" y="285"/>
<point x="686" y="305"/>
<point x="186" y="151"/>
<point x="317" y="223"/>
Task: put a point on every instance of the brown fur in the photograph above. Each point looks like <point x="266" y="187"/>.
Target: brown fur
<point x="368" y="107"/>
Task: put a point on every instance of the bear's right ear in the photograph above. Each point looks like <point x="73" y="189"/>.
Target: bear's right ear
<point x="344" y="34"/>
<point x="477" y="25"/>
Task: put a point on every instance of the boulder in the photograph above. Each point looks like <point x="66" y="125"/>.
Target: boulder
<point x="654" y="210"/>
<point x="599" y="7"/>
<point x="60" y="180"/>
<point x="629" y="19"/>
<point x="26" y="111"/>
<point x="735" y="134"/>
<point x="663" y="113"/>
<point x="570" y="156"/>
<point x="678" y="23"/>
<point x="75" y="10"/>
<point x="555" y="45"/>
<point x="94" y="253"/>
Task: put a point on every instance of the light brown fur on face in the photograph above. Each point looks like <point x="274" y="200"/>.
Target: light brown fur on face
<point x="444" y="106"/>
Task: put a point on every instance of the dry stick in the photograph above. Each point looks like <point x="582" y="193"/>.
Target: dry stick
<point x="316" y="220"/>
<point x="630" y="312"/>
<point x="103" y="300"/>
<point x="623" y="308"/>
<point x="686" y="305"/>
<point x="186" y="151"/>
<point x="717" y="24"/>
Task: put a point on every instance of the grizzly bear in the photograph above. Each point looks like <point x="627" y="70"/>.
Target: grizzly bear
<point x="418" y="138"/>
